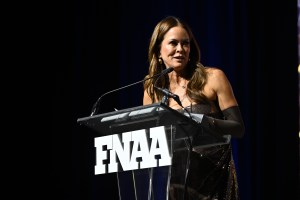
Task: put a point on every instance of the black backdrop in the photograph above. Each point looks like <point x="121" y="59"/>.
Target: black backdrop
<point x="104" y="46"/>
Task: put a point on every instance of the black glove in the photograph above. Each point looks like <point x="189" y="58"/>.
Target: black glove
<point x="232" y="124"/>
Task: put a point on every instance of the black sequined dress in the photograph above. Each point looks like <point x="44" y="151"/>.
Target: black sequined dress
<point x="211" y="172"/>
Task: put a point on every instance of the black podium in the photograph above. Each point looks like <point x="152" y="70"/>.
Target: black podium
<point x="149" y="148"/>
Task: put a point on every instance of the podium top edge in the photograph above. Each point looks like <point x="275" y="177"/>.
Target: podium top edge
<point x="154" y="105"/>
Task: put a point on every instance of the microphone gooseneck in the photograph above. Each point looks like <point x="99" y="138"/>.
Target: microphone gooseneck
<point x="97" y="103"/>
<point x="165" y="71"/>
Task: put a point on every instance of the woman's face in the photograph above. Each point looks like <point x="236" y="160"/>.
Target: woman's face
<point x="175" y="48"/>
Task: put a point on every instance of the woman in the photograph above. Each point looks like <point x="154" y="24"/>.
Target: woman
<point x="204" y="90"/>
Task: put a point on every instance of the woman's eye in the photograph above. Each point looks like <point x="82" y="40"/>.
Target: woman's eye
<point x="186" y="43"/>
<point x="173" y="43"/>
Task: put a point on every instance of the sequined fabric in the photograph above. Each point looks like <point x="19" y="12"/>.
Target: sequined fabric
<point x="211" y="173"/>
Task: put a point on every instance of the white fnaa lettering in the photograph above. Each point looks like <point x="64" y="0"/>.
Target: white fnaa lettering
<point x="132" y="157"/>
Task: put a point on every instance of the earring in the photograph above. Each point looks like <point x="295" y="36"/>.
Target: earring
<point x="160" y="60"/>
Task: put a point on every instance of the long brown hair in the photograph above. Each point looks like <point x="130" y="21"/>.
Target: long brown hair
<point x="195" y="70"/>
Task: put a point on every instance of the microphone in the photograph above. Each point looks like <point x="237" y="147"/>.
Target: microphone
<point x="166" y="92"/>
<point x="170" y="94"/>
<point x="97" y="103"/>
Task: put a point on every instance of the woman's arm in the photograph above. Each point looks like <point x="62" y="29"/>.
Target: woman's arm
<point x="233" y="122"/>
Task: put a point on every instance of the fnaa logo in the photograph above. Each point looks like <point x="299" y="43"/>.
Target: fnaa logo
<point x="139" y="149"/>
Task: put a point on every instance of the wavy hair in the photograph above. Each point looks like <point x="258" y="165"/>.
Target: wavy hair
<point x="196" y="72"/>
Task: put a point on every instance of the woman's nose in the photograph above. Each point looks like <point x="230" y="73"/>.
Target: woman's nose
<point x="179" y="47"/>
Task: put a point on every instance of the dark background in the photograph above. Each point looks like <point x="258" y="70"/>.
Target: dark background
<point x="103" y="46"/>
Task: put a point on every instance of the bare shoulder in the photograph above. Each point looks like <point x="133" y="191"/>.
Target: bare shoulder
<point x="146" y="98"/>
<point x="215" y="73"/>
<point x="220" y="85"/>
<point x="217" y="80"/>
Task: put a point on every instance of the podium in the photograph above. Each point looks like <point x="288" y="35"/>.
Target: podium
<point x="149" y="148"/>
